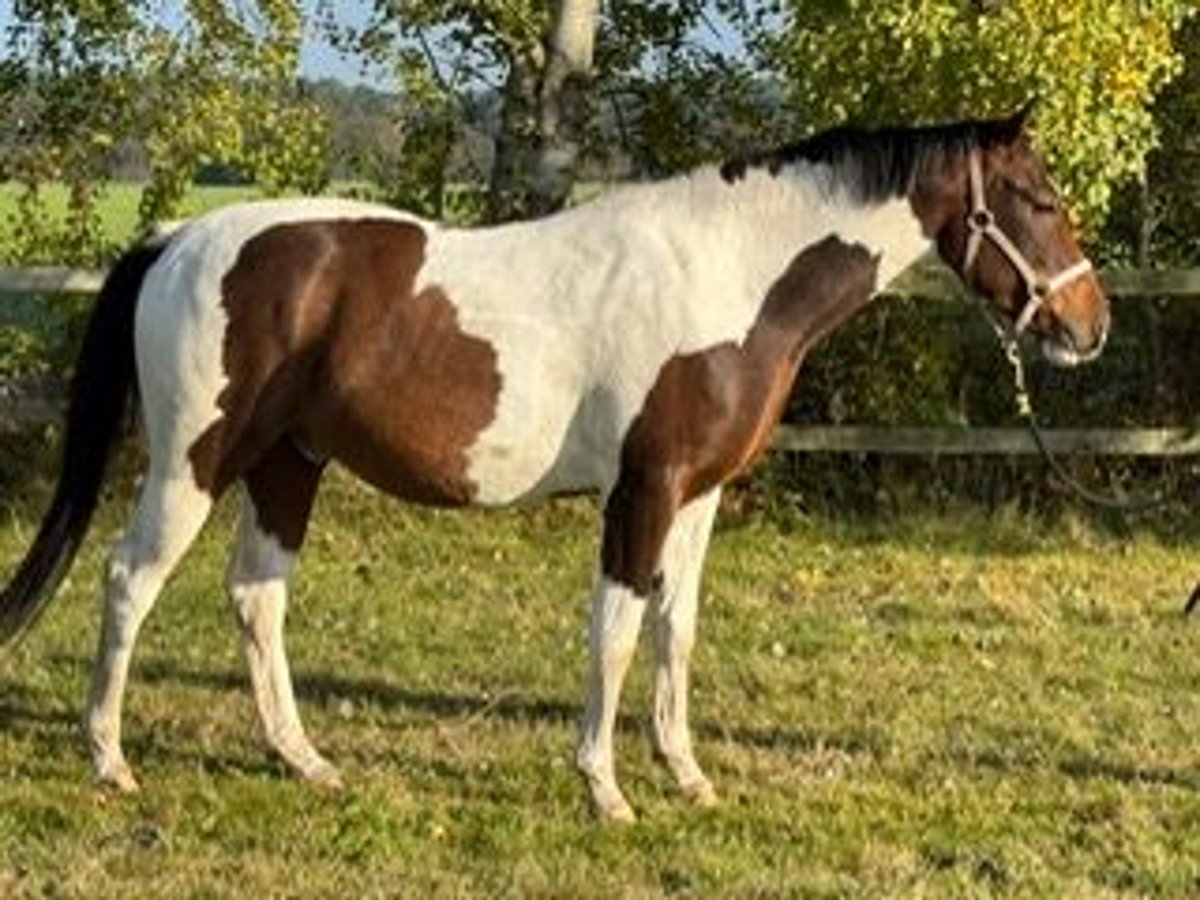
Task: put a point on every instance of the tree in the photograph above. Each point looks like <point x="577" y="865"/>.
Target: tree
<point x="1169" y="211"/>
<point x="1095" y="67"/>
<point x="84" y="77"/>
<point x="575" y="78"/>
<point x="561" y="99"/>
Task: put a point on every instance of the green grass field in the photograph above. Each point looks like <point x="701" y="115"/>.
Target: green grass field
<point x="118" y="206"/>
<point x="924" y="706"/>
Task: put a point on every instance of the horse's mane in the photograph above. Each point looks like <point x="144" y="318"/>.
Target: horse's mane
<point x="877" y="164"/>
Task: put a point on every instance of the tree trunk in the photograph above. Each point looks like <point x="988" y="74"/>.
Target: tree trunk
<point x="563" y="103"/>
<point x="545" y="110"/>
<point x="511" y="161"/>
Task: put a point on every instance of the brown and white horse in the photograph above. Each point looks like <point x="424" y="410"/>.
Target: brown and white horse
<point x="642" y="346"/>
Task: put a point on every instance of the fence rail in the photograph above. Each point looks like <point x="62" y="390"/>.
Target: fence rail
<point x="23" y="407"/>
<point x="50" y="280"/>
<point x="962" y="440"/>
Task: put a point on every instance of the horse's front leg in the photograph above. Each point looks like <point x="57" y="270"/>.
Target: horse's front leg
<point x="675" y="625"/>
<point x="637" y="515"/>
<point x="616" y="620"/>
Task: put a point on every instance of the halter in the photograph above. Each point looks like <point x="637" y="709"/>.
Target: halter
<point x="981" y="223"/>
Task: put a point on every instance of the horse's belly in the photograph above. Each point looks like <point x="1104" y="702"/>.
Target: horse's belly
<point x="420" y="440"/>
<point x="400" y="459"/>
<point x="527" y="461"/>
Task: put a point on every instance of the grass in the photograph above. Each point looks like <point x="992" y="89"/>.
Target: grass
<point x="953" y="705"/>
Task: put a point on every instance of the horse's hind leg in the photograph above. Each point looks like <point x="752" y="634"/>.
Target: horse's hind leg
<point x="277" y="500"/>
<point x="169" y="513"/>
<point x="675" y="621"/>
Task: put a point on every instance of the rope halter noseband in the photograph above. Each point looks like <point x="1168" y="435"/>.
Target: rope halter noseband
<point x="981" y="223"/>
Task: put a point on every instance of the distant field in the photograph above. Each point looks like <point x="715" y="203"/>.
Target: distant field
<point x="956" y="706"/>
<point x="119" y="205"/>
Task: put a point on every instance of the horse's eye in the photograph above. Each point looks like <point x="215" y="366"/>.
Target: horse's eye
<point x="1044" y="201"/>
<point x="1041" y="198"/>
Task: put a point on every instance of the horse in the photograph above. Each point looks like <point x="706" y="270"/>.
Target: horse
<point x="641" y="346"/>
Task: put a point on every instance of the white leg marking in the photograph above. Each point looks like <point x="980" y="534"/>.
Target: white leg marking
<point x="257" y="586"/>
<point x="169" y="514"/>
<point x="616" y="620"/>
<point x="675" y="626"/>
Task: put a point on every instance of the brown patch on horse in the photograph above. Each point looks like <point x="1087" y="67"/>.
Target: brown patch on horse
<point x="282" y="486"/>
<point x="329" y="347"/>
<point x="709" y="415"/>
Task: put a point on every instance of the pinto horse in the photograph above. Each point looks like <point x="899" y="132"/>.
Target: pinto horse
<point x="642" y="346"/>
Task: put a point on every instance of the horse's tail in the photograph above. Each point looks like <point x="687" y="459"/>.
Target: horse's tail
<point x="105" y="378"/>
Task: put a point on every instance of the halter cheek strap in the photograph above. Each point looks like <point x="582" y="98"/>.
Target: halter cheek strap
<point x="981" y="223"/>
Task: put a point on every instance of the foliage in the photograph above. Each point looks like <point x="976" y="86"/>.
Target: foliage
<point x="439" y="54"/>
<point x="1159" y="217"/>
<point x="680" y="91"/>
<point x="39" y="334"/>
<point x="1095" y="67"/>
<point x="84" y="76"/>
<point x="239" y="106"/>
<point x="660" y="73"/>
<point x="930" y="361"/>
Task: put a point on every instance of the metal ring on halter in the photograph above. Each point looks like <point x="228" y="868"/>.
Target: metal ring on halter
<point x="982" y="219"/>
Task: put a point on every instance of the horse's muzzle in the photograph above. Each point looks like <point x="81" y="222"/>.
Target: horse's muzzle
<point x="1066" y="346"/>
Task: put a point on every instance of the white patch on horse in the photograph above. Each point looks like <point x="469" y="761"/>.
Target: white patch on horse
<point x="584" y="308"/>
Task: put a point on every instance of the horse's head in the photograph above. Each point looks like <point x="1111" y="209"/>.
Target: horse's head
<point x="1003" y="228"/>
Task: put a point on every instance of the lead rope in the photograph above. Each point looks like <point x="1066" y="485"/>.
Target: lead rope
<point x="1025" y="411"/>
<point x="1024" y="405"/>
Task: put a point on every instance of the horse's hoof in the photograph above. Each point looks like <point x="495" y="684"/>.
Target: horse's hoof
<point x="701" y="793"/>
<point x="117" y="778"/>
<point x="609" y="804"/>
<point x="325" y="778"/>
<point x="615" y="812"/>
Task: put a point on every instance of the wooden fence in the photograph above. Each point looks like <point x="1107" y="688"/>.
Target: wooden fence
<point x="25" y="408"/>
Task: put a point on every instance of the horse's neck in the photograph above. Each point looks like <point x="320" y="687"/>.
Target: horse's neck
<point x="774" y="219"/>
<point x="813" y="255"/>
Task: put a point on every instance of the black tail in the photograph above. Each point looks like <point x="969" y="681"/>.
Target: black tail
<point x="1192" y="601"/>
<point x="105" y="377"/>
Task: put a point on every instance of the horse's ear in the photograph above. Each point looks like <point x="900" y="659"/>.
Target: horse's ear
<point x="1009" y="130"/>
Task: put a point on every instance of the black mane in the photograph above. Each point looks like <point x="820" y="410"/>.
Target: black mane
<point x="877" y="164"/>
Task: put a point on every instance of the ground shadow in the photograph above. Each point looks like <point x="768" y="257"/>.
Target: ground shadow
<point x="17" y="711"/>
<point x="328" y="689"/>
